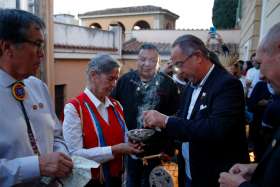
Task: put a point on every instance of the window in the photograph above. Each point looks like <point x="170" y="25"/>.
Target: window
<point x="141" y="25"/>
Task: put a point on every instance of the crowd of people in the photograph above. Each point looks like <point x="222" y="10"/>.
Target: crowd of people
<point x="201" y="109"/>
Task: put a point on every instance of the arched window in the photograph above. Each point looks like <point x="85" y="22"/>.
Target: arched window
<point x="141" y="25"/>
<point x="120" y="24"/>
<point x="95" y="26"/>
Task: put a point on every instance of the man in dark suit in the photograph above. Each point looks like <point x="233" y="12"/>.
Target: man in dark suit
<point x="267" y="172"/>
<point x="210" y="121"/>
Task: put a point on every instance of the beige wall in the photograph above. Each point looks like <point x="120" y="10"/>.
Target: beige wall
<point x="270" y="15"/>
<point x="250" y="27"/>
<point x="127" y="21"/>
<point x="156" y="21"/>
<point x="71" y="73"/>
<point x="127" y="65"/>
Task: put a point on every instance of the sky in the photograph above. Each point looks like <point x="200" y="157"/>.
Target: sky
<point x="194" y="14"/>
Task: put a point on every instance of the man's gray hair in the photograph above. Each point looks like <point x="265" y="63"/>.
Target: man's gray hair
<point x="102" y="64"/>
<point x="271" y="42"/>
<point x="189" y="44"/>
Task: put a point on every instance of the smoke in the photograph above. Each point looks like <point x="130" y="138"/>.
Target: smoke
<point x="147" y="96"/>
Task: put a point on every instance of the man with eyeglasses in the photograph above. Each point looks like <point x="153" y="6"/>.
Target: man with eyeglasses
<point x="31" y="145"/>
<point x="145" y="89"/>
<point x="210" y="120"/>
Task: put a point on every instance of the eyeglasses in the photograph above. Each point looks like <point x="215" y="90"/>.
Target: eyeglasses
<point x="178" y="64"/>
<point x="38" y="44"/>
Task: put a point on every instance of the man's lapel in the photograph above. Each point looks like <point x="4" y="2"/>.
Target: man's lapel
<point x="188" y="96"/>
<point x="206" y="88"/>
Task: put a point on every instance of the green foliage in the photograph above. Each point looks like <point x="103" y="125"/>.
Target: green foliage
<point x="224" y="13"/>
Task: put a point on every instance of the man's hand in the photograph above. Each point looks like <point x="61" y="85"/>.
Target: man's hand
<point x="154" y="119"/>
<point x="55" y="165"/>
<point x="126" y="148"/>
<point x="230" y="180"/>
<point x="245" y="170"/>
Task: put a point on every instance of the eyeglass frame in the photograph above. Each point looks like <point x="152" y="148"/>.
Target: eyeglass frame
<point x="178" y="64"/>
<point x="40" y="45"/>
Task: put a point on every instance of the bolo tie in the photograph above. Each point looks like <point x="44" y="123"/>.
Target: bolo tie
<point x="18" y="92"/>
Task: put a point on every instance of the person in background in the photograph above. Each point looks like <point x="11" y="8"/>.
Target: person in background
<point x="267" y="171"/>
<point x="31" y="144"/>
<point x="257" y="104"/>
<point x="245" y="66"/>
<point x="94" y="127"/>
<point x="236" y="70"/>
<point x="252" y="75"/>
<point x="210" y="120"/>
<point x="144" y="89"/>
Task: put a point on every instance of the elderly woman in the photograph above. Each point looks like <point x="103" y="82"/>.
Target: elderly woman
<point x="93" y="125"/>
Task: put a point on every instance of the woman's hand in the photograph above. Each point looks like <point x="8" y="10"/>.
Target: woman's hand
<point x="127" y="148"/>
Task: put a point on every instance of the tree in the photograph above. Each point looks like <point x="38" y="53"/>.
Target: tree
<point x="224" y="14"/>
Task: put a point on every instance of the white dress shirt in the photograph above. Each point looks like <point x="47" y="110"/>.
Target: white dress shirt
<point x="18" y="164"/>
<point x="185" y="145"/>
<point x="253" y="76"/>
<point x="72" y="131"/>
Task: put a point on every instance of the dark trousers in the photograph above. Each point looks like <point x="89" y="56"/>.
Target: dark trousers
<point x="138" y="174"/>
<point x="114" y="182"/>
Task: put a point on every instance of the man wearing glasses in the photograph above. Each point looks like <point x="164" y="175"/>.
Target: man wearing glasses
<point x="210" y="120"/>
<point x="31" y="145"/>
<point x="141" y="90"/>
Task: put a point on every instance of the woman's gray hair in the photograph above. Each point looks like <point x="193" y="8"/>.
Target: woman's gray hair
<point x="102" y="64"/>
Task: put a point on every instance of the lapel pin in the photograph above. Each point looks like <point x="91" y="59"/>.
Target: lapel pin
<point x="18" y="91"/>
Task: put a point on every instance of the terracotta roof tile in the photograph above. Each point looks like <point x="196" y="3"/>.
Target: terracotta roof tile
<point x="132" y="47"/>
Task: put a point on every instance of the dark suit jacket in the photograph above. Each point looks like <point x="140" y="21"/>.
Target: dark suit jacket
<point x="216" y="131"/>
<point x="267" y="174"/>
